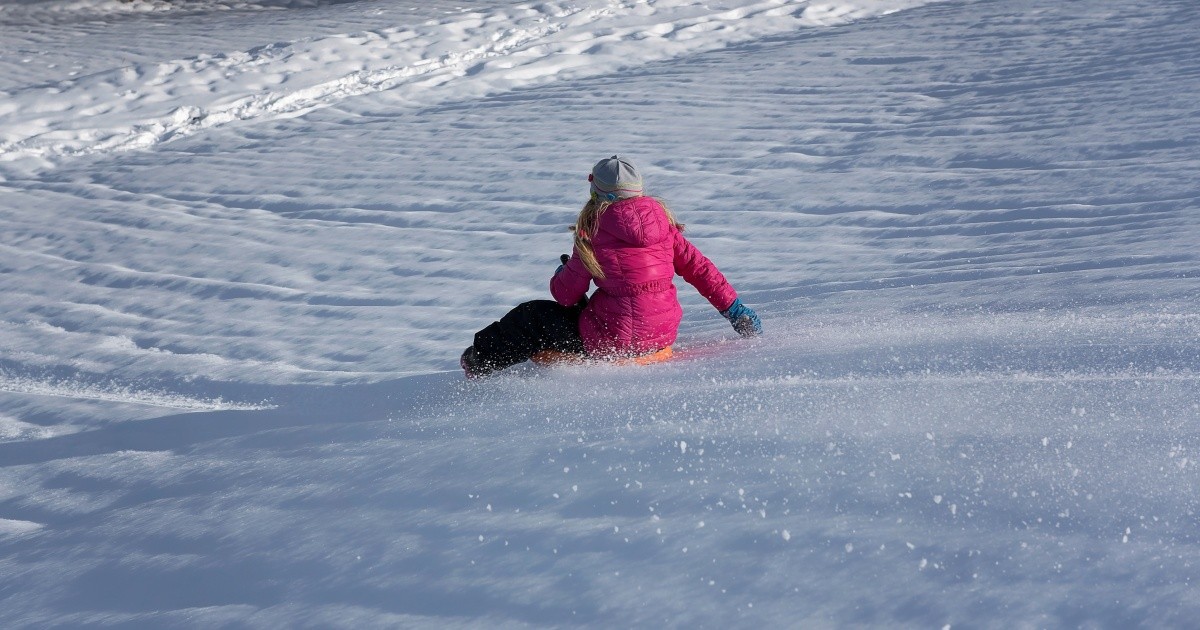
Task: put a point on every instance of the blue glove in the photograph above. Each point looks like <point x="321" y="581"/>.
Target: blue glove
<point x="745" y="321"/>
<point x="563" y="259"/>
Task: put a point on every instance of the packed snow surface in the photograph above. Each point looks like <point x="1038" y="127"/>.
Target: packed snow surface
<point x="244" y="244"/>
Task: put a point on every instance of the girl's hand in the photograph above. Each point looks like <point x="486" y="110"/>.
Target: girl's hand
<point x="745" y="321"/>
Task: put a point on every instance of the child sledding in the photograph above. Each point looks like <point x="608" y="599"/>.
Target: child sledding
<point x="630" y="246"/>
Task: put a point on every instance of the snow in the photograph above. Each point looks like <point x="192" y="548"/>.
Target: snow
<point x="244" y="243"/>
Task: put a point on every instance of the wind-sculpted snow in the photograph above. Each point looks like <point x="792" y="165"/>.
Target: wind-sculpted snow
<point x="464" y="56"/>
<point x="120" y="392"/>
<point x="229" y="391"/>
<point x="76" y="10"/>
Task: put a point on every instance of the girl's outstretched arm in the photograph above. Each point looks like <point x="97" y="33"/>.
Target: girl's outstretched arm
<point x="701" y="273"/>
<point x="570" y="283"/>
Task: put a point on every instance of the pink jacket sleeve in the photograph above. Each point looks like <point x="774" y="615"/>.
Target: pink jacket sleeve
<point x="701" y="273"/>
<point x="572" y="283"/>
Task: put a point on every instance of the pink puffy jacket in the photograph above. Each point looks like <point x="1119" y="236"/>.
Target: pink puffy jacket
<point x="635" y="309"/>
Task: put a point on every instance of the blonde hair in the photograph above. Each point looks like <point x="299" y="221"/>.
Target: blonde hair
<point x="587" y="223"/>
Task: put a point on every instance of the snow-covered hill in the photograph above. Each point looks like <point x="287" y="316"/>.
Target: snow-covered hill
<point x="244" y="243"/>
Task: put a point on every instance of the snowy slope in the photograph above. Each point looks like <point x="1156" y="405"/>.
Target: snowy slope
<point x="464" y="54"/>
<point x="243" y="244"/>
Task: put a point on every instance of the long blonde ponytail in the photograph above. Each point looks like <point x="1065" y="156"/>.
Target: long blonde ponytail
<point x="584" y="228"/>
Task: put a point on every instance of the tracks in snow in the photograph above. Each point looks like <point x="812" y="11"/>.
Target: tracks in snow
<point x="464" y="56"/>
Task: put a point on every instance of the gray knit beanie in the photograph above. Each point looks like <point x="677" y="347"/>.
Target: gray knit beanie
<point x="615" y="178"/>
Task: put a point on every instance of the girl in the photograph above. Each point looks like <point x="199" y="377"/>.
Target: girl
<point x="631" y="246"/>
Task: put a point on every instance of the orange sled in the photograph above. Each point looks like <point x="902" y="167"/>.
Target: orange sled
<point x="552" y="357"/>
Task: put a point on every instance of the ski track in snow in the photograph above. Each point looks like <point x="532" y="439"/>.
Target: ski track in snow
<point x="969" y="228"/>
<point x="467" y="55"/>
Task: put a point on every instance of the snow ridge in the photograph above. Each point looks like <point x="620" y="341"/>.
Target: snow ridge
<point x="467" y="55"/>
<point x="120" y="393"/>
<point x="40" y="11"/>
